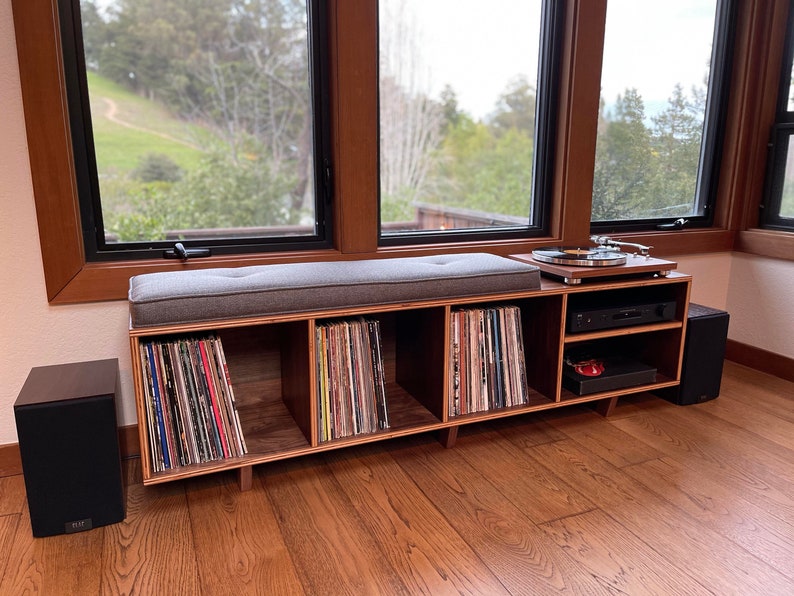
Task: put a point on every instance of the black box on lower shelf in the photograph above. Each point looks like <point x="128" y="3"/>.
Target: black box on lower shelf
<point x="584" y="376"/>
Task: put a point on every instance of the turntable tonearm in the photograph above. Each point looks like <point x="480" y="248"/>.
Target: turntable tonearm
<point x="606" y="241"/>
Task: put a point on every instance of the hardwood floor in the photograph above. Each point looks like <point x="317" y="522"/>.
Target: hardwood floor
<point x="656" y="499"/>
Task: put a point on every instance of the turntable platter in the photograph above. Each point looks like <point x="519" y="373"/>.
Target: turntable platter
<point x="580" y="257"/>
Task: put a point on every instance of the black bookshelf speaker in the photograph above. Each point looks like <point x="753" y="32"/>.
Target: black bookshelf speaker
<point x="68" y="440"/>
<point x="704" y="354"/>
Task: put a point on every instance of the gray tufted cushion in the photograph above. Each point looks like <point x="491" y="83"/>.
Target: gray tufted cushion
<point x="228" y="293"/>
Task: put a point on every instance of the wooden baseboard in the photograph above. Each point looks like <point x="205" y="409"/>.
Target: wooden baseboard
<point x="762" y="360"/>
<point x="11" y="462"/>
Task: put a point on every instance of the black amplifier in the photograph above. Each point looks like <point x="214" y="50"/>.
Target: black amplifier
<point x="580" y="320"/>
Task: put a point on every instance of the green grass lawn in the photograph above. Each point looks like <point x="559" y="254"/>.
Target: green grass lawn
<point x="152" y="129"/>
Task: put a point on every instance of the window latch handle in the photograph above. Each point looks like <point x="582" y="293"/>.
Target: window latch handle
<point x="180" y="252"/>
<point x="673" y="225"/>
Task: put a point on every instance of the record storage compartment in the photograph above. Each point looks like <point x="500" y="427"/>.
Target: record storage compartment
<point x="272" y="365"/>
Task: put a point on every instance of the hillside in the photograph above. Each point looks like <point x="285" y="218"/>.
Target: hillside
<point x="127" y="127"/>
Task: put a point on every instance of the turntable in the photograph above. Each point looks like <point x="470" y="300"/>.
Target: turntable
<point x="608" y="258"/>
<point x="579" y="257"/>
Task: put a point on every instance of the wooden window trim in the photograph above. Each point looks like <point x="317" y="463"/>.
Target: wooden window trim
<point x="69" y="278"/>
<point x="765" y="48"/>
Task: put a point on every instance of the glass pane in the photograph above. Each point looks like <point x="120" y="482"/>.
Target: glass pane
<point x="654" y="86"/>
<point x="787" y="196"/>
<point x="202" y="118"/>
<point x="457" y="113"/>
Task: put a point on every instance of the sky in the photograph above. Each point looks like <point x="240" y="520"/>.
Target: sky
<point x="478" y="47"/>
<point x="499" y="50"/>
<point x="654" y="45"/>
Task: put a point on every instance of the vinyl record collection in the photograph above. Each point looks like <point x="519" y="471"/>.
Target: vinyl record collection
<point x="487" y="352"/>
<point x="191" y="415"/>
<point x="350" y="379"/>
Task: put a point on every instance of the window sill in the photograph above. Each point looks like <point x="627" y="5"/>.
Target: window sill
<point x="767" y="243"/>
<point x="107" y="281"/>
<point x="96" y="282"/>
<point x="682" y="242"/>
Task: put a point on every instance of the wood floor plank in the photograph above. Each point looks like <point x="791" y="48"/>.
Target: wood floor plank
<point x="588" y="429"/>
<point x="541" y="495"/>
<point x="534" y="428"/>
<point x="514" y="548"/>
<point x="12" y="502"/>
<point x="65" y="564"/>
<point x="12" y="495"/>
<point x="152" y="550"/>
<point x="721" y="509"/>
<point x="239" y="549"/>
<point x="619" y="559"/>
<point x="758" y="391"/>
<point x="711" y="447"/>
<point x="8" y="529"/>
<point x="771" y="426"/>
<point x="692" y="550"/>
<point x="422" y="547"/>
<point x="332" y="549"/>
<point x="25" y="567"/>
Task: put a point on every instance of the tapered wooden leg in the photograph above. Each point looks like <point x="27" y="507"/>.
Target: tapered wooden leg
<point x="245" y="477"/>
<point x="606" y="406"/>
<point x="448" y="436"/>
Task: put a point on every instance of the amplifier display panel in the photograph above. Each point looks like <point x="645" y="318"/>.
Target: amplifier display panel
<point x="581" y="320"/>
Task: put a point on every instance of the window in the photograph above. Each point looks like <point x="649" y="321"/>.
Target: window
<point x="352" y="61"/>
<point x="197" y="122"/>
<point x="663" y="101"/>
<point x="777" y="209"/>
<point x="466" y="123"/>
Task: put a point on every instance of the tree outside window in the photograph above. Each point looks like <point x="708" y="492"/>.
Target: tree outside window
<point x="458" y="93"/>
<point x="653" y="125"/>
<point x="202" y="117"/>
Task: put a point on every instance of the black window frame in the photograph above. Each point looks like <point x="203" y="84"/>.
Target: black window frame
<point x="780" y="143"/>
<point x="779" y="147"/>
<point x="714" y="124"/>
<point x="85" y="169"/>
<point x="544" y="143"/>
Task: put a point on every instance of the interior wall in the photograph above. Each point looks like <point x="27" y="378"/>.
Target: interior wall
<point x="711" y="274"/>
<point x="761" y="302"/>
<point x="756" y="291"/>
<point x="33" y="333"/>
